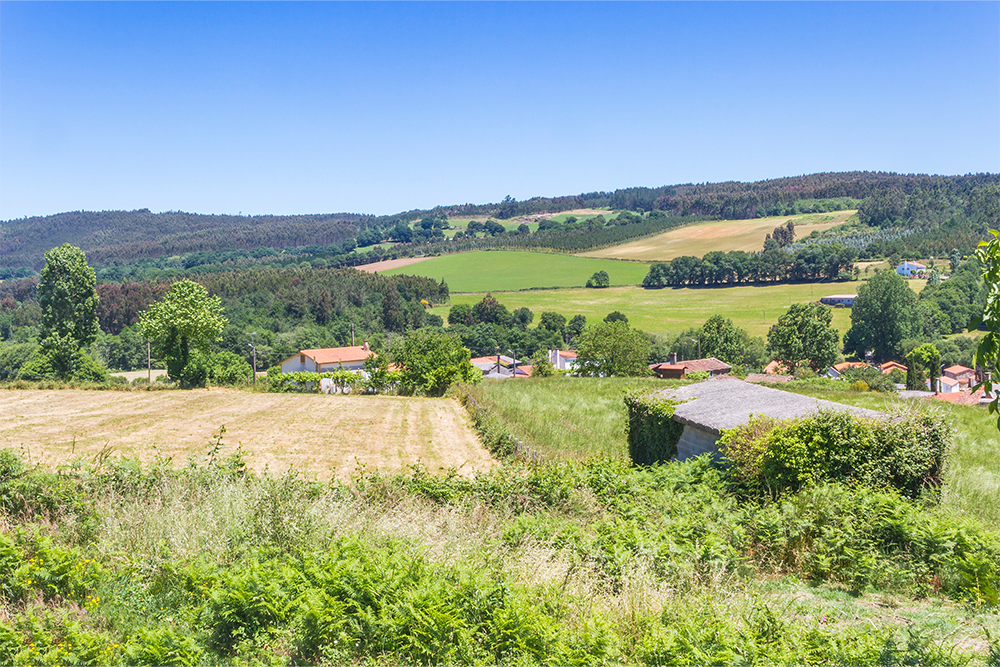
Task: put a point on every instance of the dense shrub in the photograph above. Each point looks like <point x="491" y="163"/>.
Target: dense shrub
<point x="652" y="432"/>
<point x="905" y="452"/>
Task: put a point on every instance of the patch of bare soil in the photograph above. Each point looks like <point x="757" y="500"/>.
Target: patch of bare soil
<point x="325" y="436"/>
<point x="387" y="264"/>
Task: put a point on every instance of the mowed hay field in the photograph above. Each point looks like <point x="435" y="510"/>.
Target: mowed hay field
<point x="725" y="235"/>
<point x="325" y="436"/>
<point x="501" y="270"/>
<point x="663" y="311"/>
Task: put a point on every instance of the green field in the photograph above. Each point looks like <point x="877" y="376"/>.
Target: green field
<point x="503" y="270"/>
<point x="572" y="418"/>
<point x="726" y="235"/>
<point x="674" y="310"/>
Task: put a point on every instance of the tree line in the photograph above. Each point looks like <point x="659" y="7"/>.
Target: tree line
<point x="813" y="262"/>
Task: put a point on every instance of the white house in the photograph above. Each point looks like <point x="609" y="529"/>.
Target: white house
<point x="910" y="268"/>
<point x="328" y="360"/>
<point x="563" y="360"/>
<point x="949" y="385"/>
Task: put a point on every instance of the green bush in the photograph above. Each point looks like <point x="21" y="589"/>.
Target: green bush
<point x="652" y="432"/>
<point x="905" y="452"/>
<point x="228" y="369"/>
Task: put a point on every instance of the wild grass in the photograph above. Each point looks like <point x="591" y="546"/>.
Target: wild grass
<point x="564" y="563"/>
<point x="566" y="417"/>
<point x="972" y="471"/>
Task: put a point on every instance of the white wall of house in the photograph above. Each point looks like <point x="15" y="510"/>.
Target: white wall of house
<point x="298" y="363"/>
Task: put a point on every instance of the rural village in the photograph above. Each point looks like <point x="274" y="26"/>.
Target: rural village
<point x="310" y="355"/>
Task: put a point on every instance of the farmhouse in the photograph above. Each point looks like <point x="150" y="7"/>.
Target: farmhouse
<point x="723" y="403"/>
<point x="839" y="300"/>
<point x="910" y="268"/>
<point x="963" y="374"/>
<point x="890" y="366"/>
<point x="563" y="360"/>
<point x="837" y="370"/>
<point x="328" y="360"/>
<point x="949" y="385"/>
<point x="677" y="370"/>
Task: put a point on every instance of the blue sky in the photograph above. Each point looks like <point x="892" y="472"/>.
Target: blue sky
<point x="377" y="108"/>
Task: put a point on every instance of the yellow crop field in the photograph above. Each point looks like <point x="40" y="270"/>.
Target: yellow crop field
<point x="325" y="436"/>
<point x="725" y="235"/>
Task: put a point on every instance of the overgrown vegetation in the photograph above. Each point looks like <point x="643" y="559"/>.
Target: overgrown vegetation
<point x="597" y="561"/>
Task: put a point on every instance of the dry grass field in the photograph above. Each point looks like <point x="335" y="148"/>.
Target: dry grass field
<point x="325" y="436"/>
<point x="725" y="235"/>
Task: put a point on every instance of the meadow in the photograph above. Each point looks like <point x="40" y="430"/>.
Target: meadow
<point x="723" y="235"/>
<point x="575" y="418"/>
<point x="318" y="435"/>
<point x="666" y="311"/>
<point x="500" y="270"/>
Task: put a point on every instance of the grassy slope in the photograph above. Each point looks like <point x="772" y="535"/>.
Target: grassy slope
<point x="577" y="417"/>
<point x="567" y="417"/>
<point x="747" y="235"/>
<point x="973" y="472"/>
<point x="674" y="310"/>
<point x="499" y="270"/>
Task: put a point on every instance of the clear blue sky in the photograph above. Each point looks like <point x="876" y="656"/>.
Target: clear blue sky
<point x="378" y="108"/>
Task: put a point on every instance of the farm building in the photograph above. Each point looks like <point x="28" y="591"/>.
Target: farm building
<point x="563" y="360"/>
<point x="677" y="370"/>
<point x="723" y="403"/>
<point x="839" y="300"/>
<point x="328" y="360"/>
<point x="499" y="366"/>
<point x="890" y="366"/>
<point x="963" y="374"/>
<point x="837" y="370"/>
<point x="949" y="385"/>
<point x="910" y="268"/>
<point x="779" y="368"/>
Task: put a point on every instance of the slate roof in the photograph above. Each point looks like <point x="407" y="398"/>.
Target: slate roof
<point x="723" y="403"/>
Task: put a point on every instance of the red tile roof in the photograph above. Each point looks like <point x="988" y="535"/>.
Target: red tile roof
<point x="338" y="355"/>
<point x="958" y="369"/>
<point x="710" y="364"/>
<point x="844" y="365"/>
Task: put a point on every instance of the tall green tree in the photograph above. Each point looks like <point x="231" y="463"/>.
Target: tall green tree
<point x="804" y="333"/>
<point x="432" y="360"/>
<point x="612" y="349"/>
<point x="882" y="316"/>
<point x="68" y="299"/>
<point x="722" y="339"/>
<point x="922" y="363"/>
<point x="187" y="319"/>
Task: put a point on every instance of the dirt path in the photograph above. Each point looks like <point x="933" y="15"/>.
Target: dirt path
<point x="387" y="264"/>
<point x="326" y="436"/>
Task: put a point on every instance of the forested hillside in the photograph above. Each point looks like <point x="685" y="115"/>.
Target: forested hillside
<point x="926" y="214"/>
<point x="110" y="237"/>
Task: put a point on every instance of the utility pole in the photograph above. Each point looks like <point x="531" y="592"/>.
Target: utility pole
<point x="352" y="334"/>
<point x="254" y="349"/>
<point x="149" y="364"/>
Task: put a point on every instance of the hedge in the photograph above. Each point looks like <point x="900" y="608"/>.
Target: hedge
<point x="652" y="432"/>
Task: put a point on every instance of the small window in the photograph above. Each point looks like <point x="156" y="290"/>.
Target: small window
<point x="302" y="358"/>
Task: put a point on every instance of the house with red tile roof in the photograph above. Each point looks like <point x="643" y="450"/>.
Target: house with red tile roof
<point x="677" y="370"/>
<point x="563" y="360"/>
<point x="837" y="370"/>
<point x="890" y="366"/>
<point x="963" y="374"/>
<point x="328" y="360"/>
